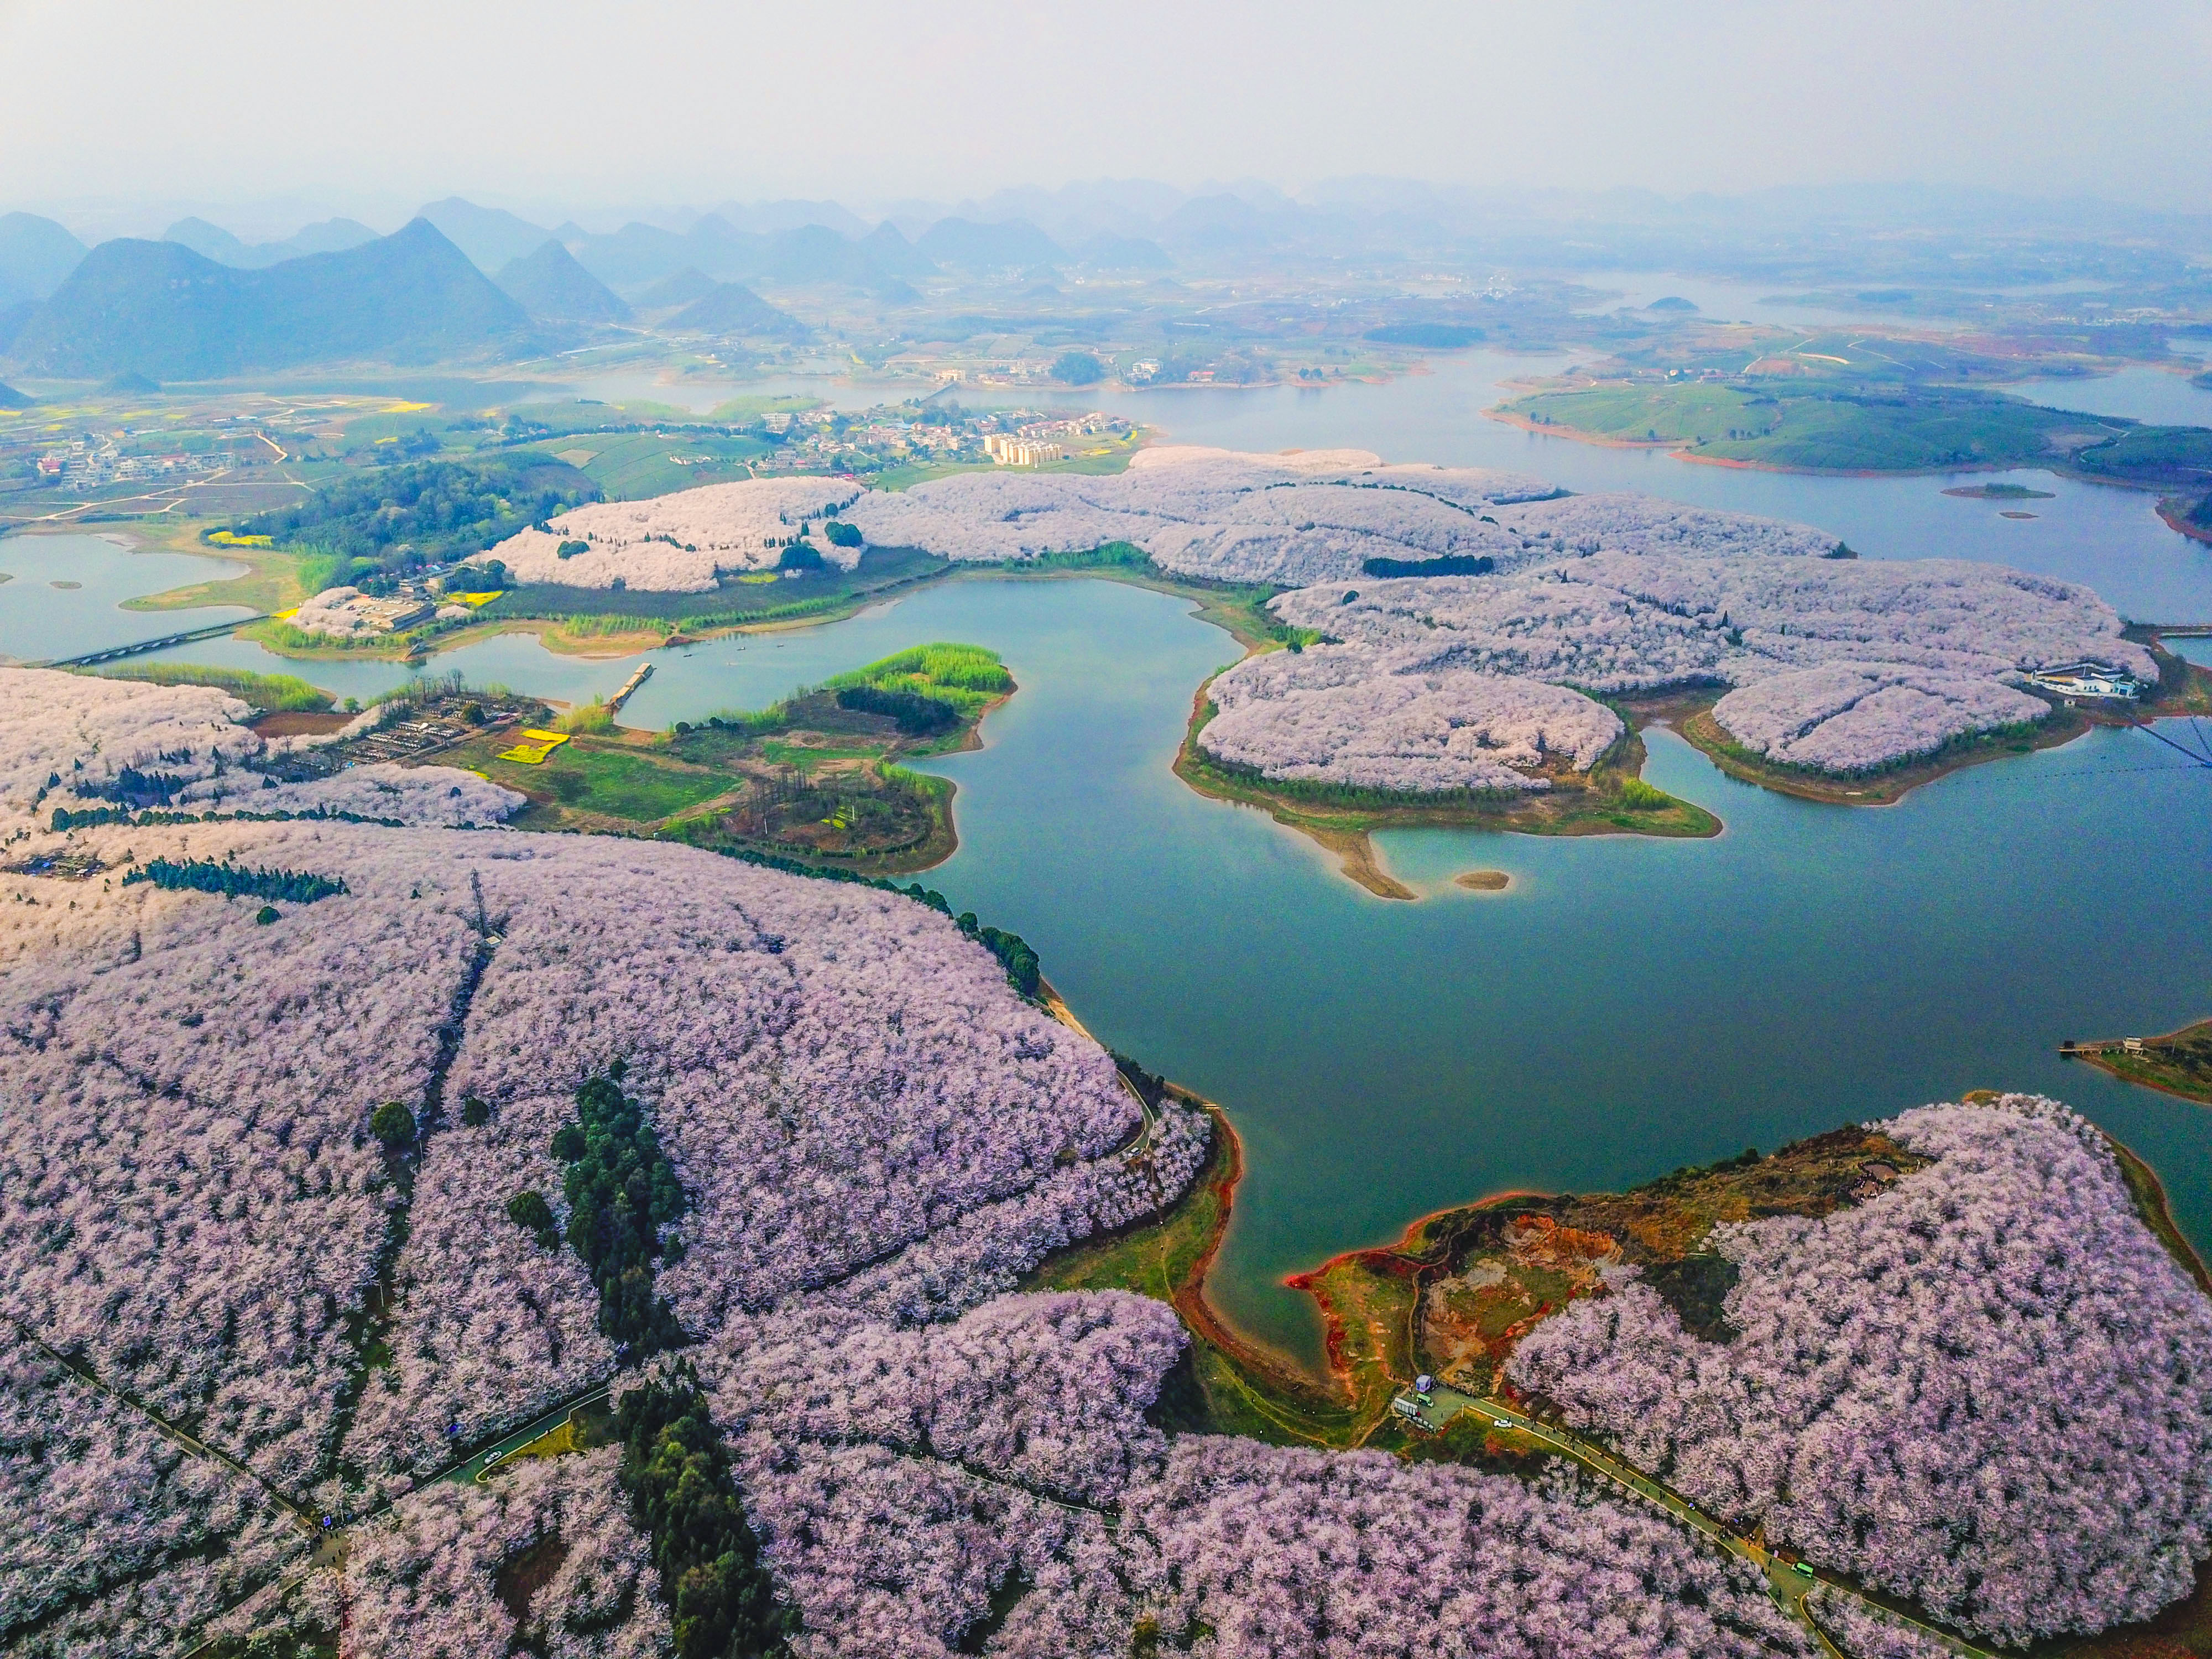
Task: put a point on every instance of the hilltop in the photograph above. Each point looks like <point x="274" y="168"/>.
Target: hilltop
<point x="162" y="310"/>
<point x="550" y="284"/>
<point x="732" y="308"/>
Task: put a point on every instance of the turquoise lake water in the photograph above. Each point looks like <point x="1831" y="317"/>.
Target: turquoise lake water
<point x="1629" y="1005"/>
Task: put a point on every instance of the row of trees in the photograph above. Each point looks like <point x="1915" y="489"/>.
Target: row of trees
<point x="236" y="881"/>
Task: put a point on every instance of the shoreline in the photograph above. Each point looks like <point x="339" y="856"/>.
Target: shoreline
<point x="1683" y="449"/>
<point x="2168" y="511"/>
<point x="1346" y="831"/>
<point x="1403" y="1256"/>
<point x="2101" y="1054"/>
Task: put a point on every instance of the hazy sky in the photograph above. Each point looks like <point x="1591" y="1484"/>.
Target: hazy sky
<point x="553" y="104"/>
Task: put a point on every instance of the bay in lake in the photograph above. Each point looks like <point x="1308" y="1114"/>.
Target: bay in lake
<point x="64" y="594"/>
<point x="1630" y="1004"/>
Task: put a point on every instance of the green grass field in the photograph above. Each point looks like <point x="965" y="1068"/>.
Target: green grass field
<point x="608" y="780"/>
<point x="633" y="466"/>
<point x="271" y="693"/>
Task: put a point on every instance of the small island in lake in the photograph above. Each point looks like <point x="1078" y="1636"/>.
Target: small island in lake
<point x="2001" y="492"/>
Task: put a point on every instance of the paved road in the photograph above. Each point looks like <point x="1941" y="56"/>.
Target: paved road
<point x="1788" y="1586"/>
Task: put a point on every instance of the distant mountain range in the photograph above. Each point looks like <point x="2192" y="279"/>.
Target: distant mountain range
<point x="214" y="242"/>
<point x="35" y="255"/>
<point x="686" y="285"/>
<point x="565" y="274"/>
<point x="787" y="243"/>
<point x="160" y="310"/>
<point x="552" y="287"/>
<point x="729" y="308"/>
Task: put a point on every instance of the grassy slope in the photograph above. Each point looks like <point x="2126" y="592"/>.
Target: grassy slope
<point x="270" y="581"/>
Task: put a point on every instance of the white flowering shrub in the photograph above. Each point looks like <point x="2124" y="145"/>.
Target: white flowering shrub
<point x="1989" y="1389"/>
<point x="1326" y="715"/>
<point x="677" y="543"/>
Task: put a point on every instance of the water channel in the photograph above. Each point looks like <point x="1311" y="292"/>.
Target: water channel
<point x="1630" y="1004"/>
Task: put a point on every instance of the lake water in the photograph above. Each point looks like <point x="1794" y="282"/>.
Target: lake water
<point x="40" y="620"/>
<point x="1630" y="1004"/>
<point x="2112" y="539"/>
<point x="2154" y="395"/>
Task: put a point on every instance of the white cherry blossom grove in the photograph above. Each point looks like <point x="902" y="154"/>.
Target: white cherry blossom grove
<point x="675" y="543"/>
<point x="422" y="1582"/>
<point x="899" y="1476"/>
<point x="1840" y="665"/>
<point x="1327" y="715"/>
<point x="112" y="1536"/>
<point x="1605" y="592"/>
<point x="870" y="1127"/>
<point x="1319" y="515"/>
<point x="1989" y="1389"/>
<point x="67" y="740"/>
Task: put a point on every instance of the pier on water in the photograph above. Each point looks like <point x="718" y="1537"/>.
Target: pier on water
<point x="644" y="672"/>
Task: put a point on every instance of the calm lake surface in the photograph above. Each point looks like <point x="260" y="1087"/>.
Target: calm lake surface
<point x="2142" y="394"/>
<point x="1630" y="1004"/>
<point x="40" y="619"/>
